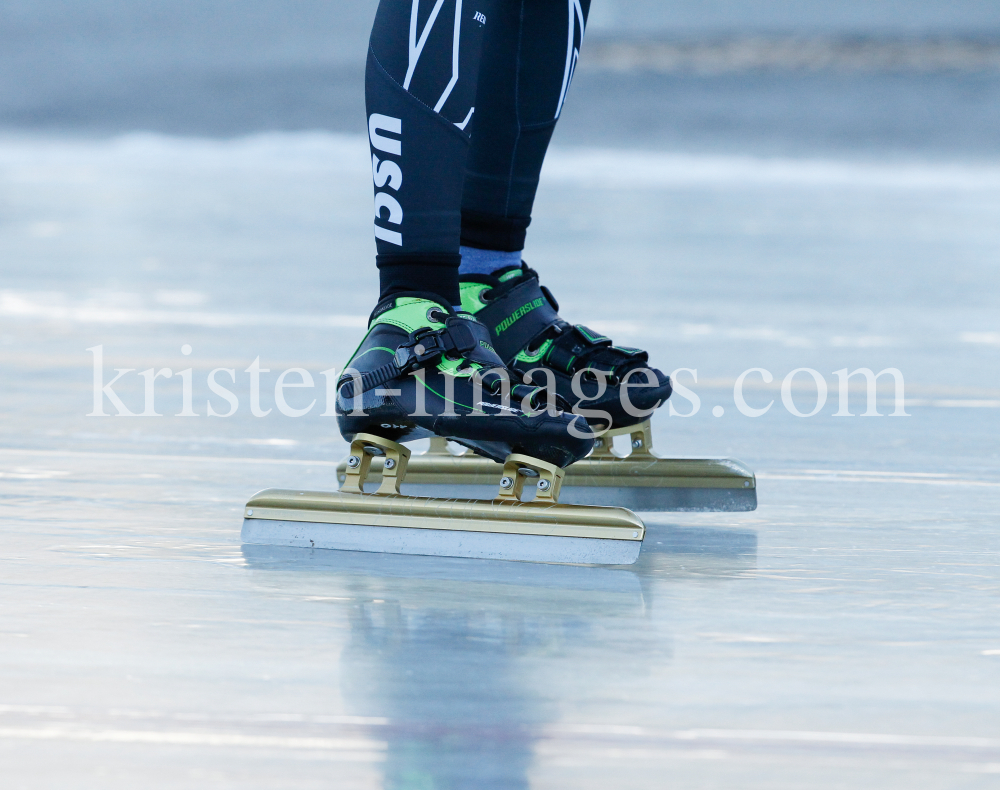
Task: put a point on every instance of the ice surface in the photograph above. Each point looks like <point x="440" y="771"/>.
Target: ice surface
<point x="843" y="635"/>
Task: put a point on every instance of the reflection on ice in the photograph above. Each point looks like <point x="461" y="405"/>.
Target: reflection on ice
<point x="669" y="539"/>
<point x="526" y="574"/>
<point x="444" y="647"/>
<point x="446" y="642"/>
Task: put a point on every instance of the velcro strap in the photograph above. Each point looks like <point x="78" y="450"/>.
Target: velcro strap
<point x="472" y="342"/>
<point x="592" y="337"/>
<point x="460" y="338"/>
<point x="573" y="345"/>
<point x="517" y="318"/>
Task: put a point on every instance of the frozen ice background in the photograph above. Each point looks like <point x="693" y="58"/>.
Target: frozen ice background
<point x="178" y="174"/>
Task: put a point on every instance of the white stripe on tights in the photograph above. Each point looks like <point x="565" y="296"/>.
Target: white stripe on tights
<point x="572" y="53"/>
<point x="416" y="47"/>
<point x="468" y="117"/>
<point x="454" y="57"/>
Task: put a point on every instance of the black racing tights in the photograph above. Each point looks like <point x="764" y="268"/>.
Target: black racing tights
<point x="462" y="98"/>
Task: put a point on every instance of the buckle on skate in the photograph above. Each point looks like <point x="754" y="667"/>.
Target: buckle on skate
<point x="425" y="345"/>
<point x="460" y="338"/>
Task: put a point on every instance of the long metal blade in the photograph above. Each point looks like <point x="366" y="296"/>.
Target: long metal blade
<point x="638" y="499"/>
<point x="645" y="483"/>
<point x="489" y="529"/>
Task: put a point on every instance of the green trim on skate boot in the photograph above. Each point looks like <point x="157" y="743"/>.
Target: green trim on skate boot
<point x="472" y="296"/>
<point x="357" y="356"/>
<point x="534" y="356"/>
<point x="412" y="314"/>
<point x="591" y="335"/>
<point x="472" y="293"/>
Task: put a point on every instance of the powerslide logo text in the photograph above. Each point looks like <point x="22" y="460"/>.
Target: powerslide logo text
<point x="522" y="311"/>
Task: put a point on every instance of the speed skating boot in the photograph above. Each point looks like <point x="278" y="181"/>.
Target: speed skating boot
<point x="589" y="371"/>
<point x="425" y="370"/>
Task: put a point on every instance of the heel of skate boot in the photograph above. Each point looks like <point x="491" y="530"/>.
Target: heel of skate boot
<point x="365" y="447"/>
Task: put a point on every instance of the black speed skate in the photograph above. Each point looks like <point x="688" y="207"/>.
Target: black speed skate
<point x="424" y="370"/>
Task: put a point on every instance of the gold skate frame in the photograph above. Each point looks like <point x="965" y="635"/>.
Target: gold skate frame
<point x="603" y="468"/>
<point x="505" y="513"/>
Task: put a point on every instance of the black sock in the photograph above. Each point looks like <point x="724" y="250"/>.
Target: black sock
<point x="433" y="272"/>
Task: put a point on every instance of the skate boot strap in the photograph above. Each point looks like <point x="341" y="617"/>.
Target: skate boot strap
<point x="524" y="315"/>
<point x="577" y="347"/>
<point x="460" y="338"/>
<point x="517" y="317"/>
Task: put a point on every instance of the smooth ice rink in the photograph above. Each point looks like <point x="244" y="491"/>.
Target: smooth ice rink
<point x="844" y="635"/>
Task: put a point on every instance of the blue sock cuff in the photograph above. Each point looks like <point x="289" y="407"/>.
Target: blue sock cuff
<point x="477" y="261"/>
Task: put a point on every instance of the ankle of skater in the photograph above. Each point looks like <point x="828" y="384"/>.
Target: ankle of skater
<point x="424" y="274"/>
<point x="490" y="242"/>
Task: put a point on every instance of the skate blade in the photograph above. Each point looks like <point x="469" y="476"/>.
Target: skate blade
<point x="482" y="529"/>
<point x="647" y="484"/>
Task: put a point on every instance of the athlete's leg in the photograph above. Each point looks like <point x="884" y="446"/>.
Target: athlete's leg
<point x="423" y="369"/>
<point x="420" y="90"/>
<point x="529" y="57"/>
